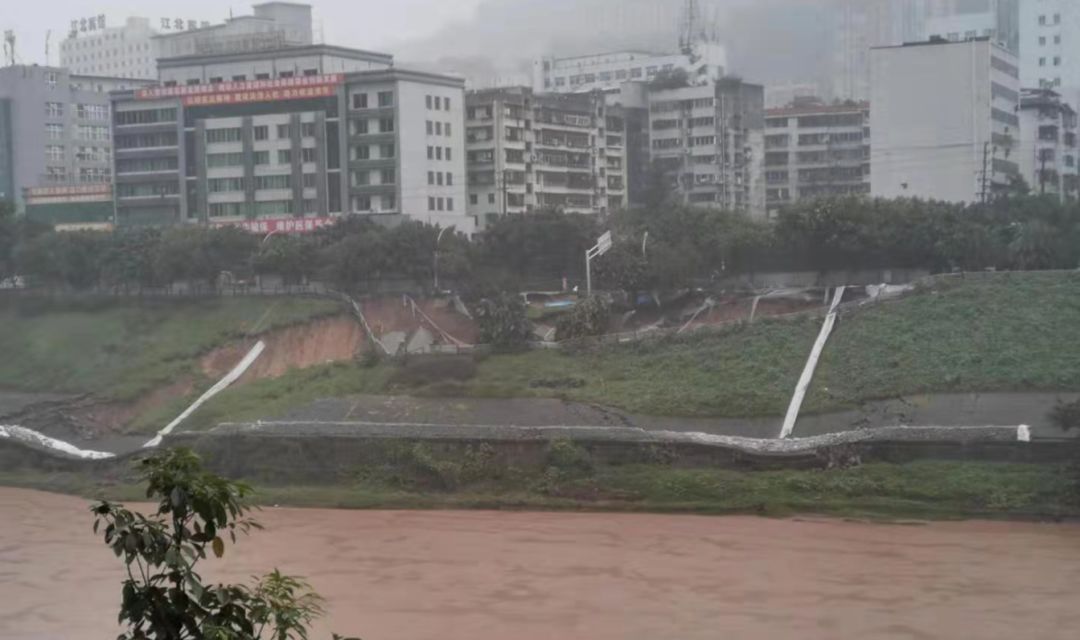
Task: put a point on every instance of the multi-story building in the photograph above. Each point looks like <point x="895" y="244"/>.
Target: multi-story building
<point x="273" y="25"/>
<point x="54" y="137"/>
<point x="816" y="150"/>
<point x="1050" y="47"/>
<point x="709" y="141"/>
<point x="998" y="20"/>
<point x="132" y="50"/>
<point x="944" y="120"/>
<point x="284" y="139"/>
<point x="608" y="71"/>
<point x="122" y="52"/>
<point x="855" y="27"/>
<point x="529" y="151"/>
<point x="1047" y="149"/>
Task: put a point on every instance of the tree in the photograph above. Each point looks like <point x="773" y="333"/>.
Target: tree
<point x="503" y="322"/>
<point x="163" y="597"/>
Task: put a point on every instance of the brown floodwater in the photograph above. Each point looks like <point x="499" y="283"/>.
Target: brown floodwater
<point x="531" y="576"/>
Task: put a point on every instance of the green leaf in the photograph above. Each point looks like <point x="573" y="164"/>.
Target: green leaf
<point x="219" y="547"/>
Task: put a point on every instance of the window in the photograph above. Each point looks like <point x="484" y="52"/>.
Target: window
<point x="361" y="178"/>
<point x="231" y="134"/>
<point x="222" y="185"/>
<point x="431" y="177"/>
<point x="274" y="208"/>
<point x="389" y="202"/>
<point x="449" y="179"/>
<point x="218" y="160"/>
<point x="1057" y="61"/>
<point x="285" y="74"/>
<point x="309" y="155"/>
<point x="431" y="153"/>
<point x="284" y="156"/>
<point x="446" y="104"/>
<point x="262" y="76"/>
<point x="438" y="153"/>
<point x="307" y="129"/>
<point x="449" y="204"/>
<point x="54" y="131"/>
<point x="1057" y="39"/>
<point x="145" y="116"/>
<point x="145" y="140"/>
<point x="1042" y="41"/>
<point x="388" y="176"/>
<point x="387" y="151"/>
<point x="273" y="182"/>
<point x="311" y="72"/>
<point x="359" y="101"/>
<point x="358" y="127"/>
<point x="54" y="153"/>
<point x="427" y="102"/>
<point x="386" y="125"/>
<point x="439" y="178"/>
<point x="239" y="78"/>
<point x="1057" y="18"/>
<point x="1042" y="20"/>
<point x="446" y="129"/>
<point x="1042" y="62"/>
<point x="283" y="131"/>
<point x="430" y="127"/>
<point x="386" y="99"/>
<point x="448" y="154"/>
<point x="262" y="132"/>
<point x="261" y="158"/>
<point x="438" y="103"/>
<point x="216" y="80"/>
<point x="474" y="199"/>
<point x="54" y="110"/>
<point x="361" y="152"/>
<point x="491" y="198"/>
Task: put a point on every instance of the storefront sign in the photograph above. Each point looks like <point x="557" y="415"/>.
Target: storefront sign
<point x="280" y="225"/>
<point x="246" y="87"/>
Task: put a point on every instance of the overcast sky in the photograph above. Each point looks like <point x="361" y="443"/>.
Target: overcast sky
<point x="365" y="24"/>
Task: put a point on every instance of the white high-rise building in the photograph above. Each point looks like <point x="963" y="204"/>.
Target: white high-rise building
<point x="608" y="71"/>
<point x="961" y="20"/>
<point x="944" y="120"/>
<point x="1050" y="47"/>
<point x="119" y="52"/>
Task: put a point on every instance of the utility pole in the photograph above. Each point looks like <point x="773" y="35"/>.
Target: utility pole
<point x="1042" y="172"/>
<point x="985" y="173"/>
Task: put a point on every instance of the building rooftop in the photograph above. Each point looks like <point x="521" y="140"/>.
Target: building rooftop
<point x="815" y="109"/>
<point x="299" y="50"/>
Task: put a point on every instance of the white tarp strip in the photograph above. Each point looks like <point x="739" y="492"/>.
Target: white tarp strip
<point x="23" y="434"/>
<point x="229" y="378"/>
<point x="811" y="365"/>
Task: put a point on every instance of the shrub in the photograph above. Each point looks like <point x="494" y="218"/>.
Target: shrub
<point x="588" y="318"/>
<point x="503" y="322"/>
<point x="1066" y="415"/>
<point x="427" y="370"/>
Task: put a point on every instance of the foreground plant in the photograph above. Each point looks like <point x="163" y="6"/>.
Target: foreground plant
<point x="163" y="597"/>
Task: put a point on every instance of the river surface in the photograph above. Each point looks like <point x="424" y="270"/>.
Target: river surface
<point x="532" y="576"/>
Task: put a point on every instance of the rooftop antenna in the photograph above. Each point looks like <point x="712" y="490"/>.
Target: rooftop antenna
<point x="689" y="27"/>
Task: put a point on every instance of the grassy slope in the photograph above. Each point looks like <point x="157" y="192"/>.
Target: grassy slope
<point x="1012" y="332"/>
<point x="124" y="349"/>
<point x="933" y="490"/>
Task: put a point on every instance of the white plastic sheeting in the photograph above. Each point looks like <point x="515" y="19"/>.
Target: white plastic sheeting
<point x="221" y="385"/>
<point x="811" y="366"/>
<point x="22" y="434"/>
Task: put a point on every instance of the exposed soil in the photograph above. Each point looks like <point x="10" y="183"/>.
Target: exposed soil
<point x="323" y="341"/>
<point x="395" y="314"/>
<point x="107" y="418"/>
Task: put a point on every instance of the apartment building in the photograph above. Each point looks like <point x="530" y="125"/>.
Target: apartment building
<point x="606" y="72"/>
<point x="272" y="25"/>
<point x="127" y="51"/>
<point x="815" y="150"/>
<point x="1050" y="47"/>
<point x="54" y="141"/>
<point x="709" y="141"/>
<point x="528" y="151"/>
<point x="944" y="120"/>
<point x="1047" y="149"/>
<point x="998" y="20"/>
<point x="288" y="139"/>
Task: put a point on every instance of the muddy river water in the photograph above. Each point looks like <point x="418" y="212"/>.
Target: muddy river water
<point x="481" y="575"/>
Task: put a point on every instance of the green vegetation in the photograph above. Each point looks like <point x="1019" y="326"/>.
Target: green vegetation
<point x="414" y="477"/>
<point x="121" y="350"/>
<point x="1007" y="332"/>
<point x="272" y="397"/>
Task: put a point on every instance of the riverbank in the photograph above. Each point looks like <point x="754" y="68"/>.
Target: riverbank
<point x="535" y="576"/>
